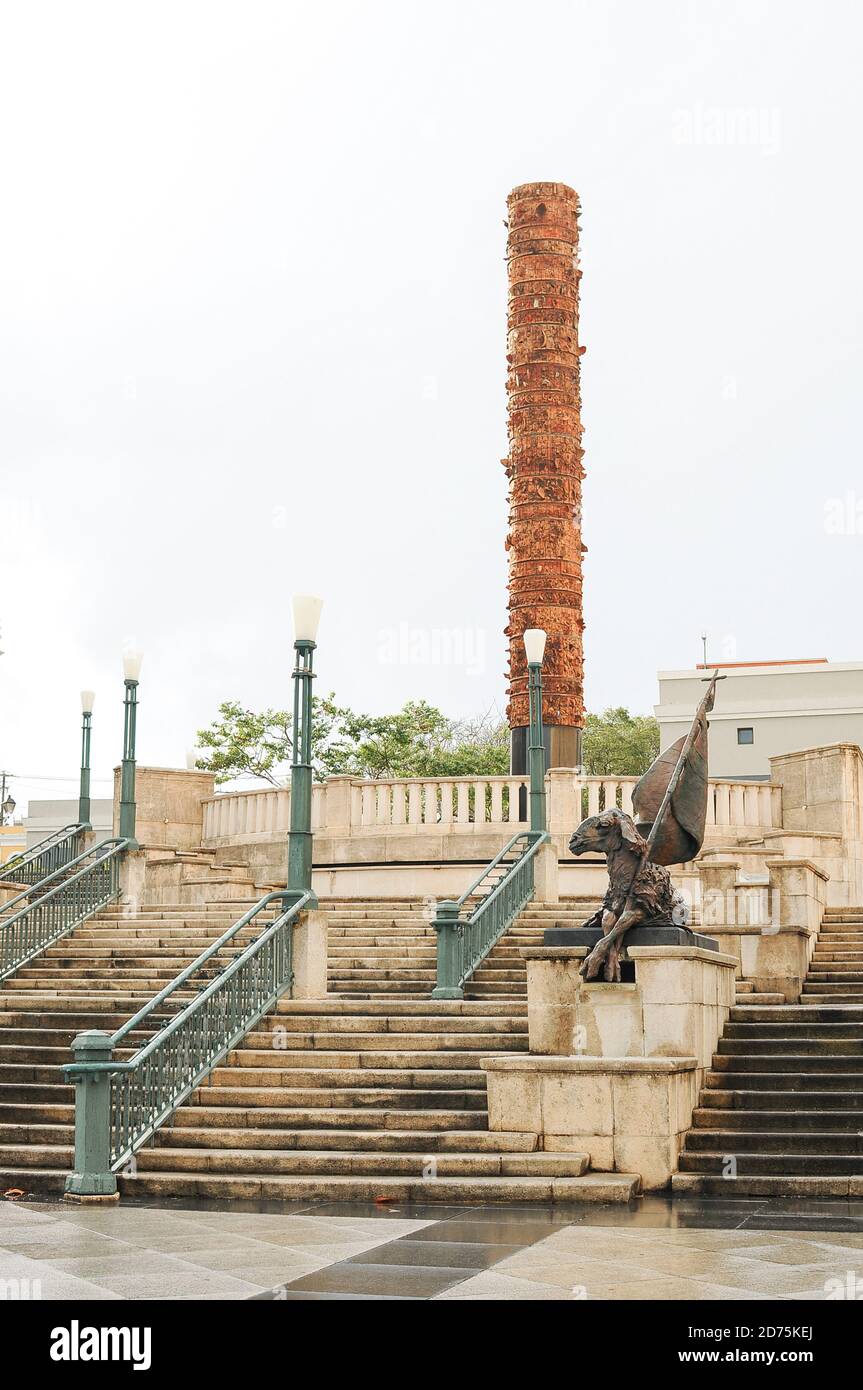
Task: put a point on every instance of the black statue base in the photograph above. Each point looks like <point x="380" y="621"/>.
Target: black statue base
<point x="638" y="936"/>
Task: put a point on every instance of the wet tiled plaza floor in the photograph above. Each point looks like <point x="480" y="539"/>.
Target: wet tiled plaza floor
<point x="658" y="1248"/>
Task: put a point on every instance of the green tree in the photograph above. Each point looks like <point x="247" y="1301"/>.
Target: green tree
<point x="619" y="744"/>
<point x="418" y="741"/>
<point x="243" y="743"/>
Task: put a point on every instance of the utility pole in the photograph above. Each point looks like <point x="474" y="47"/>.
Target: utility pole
<point x="7" y="806"/>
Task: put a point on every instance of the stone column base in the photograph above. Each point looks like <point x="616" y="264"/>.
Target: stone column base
<point x="629" y="1113"/>
<point x="309" y="956"/>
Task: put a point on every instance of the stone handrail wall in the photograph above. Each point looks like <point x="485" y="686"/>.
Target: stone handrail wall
<point x="347" y="806"/>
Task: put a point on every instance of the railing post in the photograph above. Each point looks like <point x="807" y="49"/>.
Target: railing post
<point x="92" y="1177"/>
<point x="446" y="924"/>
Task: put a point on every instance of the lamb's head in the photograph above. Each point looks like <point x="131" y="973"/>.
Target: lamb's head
<point x="603" y="834"/>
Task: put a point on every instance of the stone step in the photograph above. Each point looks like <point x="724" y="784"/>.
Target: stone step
<point x="821" y="1120"/>
<point x="431" y="1008"/>
<point x="755" y="999"/>
<point x="335" y="1162"/>
<point x="380" y="1041"/>
<point x="258" y="1051"/>
<point x="234" y="1107"/>
<point x="757" y="1061"/>
<point x="802" y="1014"/>
<point x="788" y="1164"/>
<point x="23" y="1071"/>
<point x="777" y="1185"/>
<point x="591" y="1187"/>
<point x="186" y="1135"/>
<point x="490" y="1024"/>
<point x="820" y="1031"/>
<point x="790" y="1080"/>
<point x="754" y="1099"/>
<point x="35" y="1112"/>
<point x="734" y="1141"/>
<point x="20" y="1154"/>
<point x="789" y="1044"/>
<point x="36" y="1182"/>
<point x="239" y="1089"/>
<point x="347" y="1078"/>
<point x="841" y="998"/>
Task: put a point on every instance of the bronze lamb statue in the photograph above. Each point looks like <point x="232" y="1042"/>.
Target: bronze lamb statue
<point x="639" y="891"/>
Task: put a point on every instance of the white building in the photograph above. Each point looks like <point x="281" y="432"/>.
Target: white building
<point x="765" y="707"/>
<point x="44" y="817"/>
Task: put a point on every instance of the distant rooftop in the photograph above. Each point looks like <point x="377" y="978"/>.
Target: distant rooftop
<point x="731" y="665"/>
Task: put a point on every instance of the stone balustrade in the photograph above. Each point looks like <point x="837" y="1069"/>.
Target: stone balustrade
<point x="347" y="806"/>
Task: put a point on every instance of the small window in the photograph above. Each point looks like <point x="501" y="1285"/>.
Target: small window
<point x="745" y="736"/>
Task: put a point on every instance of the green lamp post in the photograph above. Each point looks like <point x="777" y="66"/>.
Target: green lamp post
<point x="534" y="646"/>
<point x="87" y="699"/>
<point x="307" y="614"/>
<point x="131" y="671"/>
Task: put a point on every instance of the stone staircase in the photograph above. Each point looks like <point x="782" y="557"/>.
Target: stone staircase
<point x="782" y="1111"/>
<point x="387" y="950"/>
<point x="97" y="977"/>
<point x="373" y="1093"/>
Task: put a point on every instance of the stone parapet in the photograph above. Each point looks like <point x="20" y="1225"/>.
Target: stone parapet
<point x="170" y="806"/>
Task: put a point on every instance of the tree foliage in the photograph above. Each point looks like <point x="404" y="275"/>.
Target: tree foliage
<point x="619" y="744"/>
<point x="418" y="741"/>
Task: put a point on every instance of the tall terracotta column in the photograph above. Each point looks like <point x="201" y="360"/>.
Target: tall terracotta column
<point x="544" y="464"/>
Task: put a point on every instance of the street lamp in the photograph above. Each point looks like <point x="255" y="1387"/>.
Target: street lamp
<point x="8" y="807"/>
<point x="534" y="646"/>
<point x="87" y="699"/>
<point x="131" y="671"/>
<point x="307" y="615"/>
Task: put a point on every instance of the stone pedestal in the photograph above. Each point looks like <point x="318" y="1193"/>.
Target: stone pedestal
<point x="545" y="875"/>
<point x="615" y="1069"/>
<point x="309" y="956"/>
<point x="133" y="878"/>
<point x="630" y="1114"/>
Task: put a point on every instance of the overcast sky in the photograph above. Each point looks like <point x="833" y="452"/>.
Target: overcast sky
<point x="253" y="337"/>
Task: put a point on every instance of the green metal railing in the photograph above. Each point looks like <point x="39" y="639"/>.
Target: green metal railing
<point x="44" y="919"/>
<point x="119" y="1105"/>
<point x="44" y="859"/>
<point x="469" y="926"/>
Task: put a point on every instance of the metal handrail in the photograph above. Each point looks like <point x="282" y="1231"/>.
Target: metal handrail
<point x="27" y="868"/>
<point x="463" y="942"/>
<point x="112" y="1123"/>
<point x="522" y="836"/>
<point x="55" y="913"/>
<point x="28" y="894"/>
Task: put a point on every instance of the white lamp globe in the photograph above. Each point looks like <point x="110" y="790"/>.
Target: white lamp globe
<point x="132" y="659"/>
<point x="307" y="615"/>
<point x="534" y="645"/>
